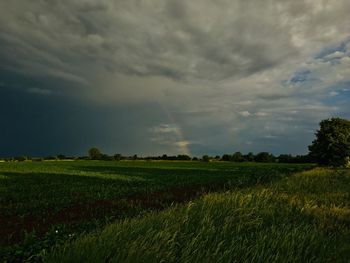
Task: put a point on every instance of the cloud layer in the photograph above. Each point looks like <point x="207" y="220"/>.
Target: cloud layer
<point x="227" y="75"/>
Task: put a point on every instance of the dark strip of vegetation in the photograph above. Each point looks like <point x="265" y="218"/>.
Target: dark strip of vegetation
<point x="262" y="157"/>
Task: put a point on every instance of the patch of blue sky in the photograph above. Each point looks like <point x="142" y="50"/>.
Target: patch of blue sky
<point x="339" y="93"/>
<point x="339" y="47"/>
<point x="342" y="86"/>
<point x="300" y="77"/>
<point x="331" y="54"/>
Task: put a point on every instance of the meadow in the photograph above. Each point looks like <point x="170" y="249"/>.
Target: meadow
<point x="157" y="211"/>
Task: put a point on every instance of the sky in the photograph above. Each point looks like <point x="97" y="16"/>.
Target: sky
<point x="149" y="77"/>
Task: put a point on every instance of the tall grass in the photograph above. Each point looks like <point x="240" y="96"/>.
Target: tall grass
<point x="303" y="218"/>
<point x="43" y="204"/>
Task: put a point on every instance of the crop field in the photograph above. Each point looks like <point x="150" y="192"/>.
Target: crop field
<point x="157" y="211"/>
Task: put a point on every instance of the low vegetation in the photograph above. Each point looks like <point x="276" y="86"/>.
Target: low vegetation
<point x="44" y="204"/>
<point x="302" y="218"/>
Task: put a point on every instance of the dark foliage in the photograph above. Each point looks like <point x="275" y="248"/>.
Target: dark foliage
<point x="265" y="157"/>
<point x="95" y="154"/>
<point x="332" y="143"/>
<point x="20" y="158"/>
<point x="205" y="158"/>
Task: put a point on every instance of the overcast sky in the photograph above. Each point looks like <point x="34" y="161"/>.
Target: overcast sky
<point x="170" y="76"/>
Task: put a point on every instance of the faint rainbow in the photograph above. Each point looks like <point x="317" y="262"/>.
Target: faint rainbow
<point x="181" y="138"/>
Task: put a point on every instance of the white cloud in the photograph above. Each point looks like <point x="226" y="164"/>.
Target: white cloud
<point x="244" y="113"/>
<point x="335" y="55"/>
<point x="261" y="114"/>
<point x="182" y="144"/>
<point x="165" y="128"/>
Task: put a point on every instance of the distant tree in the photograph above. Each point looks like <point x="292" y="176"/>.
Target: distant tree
<point x="264" y="157"/>
<point x="61" y="156"/>
<point x="106" y="157"/>
<point x="79" y="158"/>
<point x="20" y="158"/>
<point x="95" y="154"/>
<point x="183" y="157"/>
<point x="288" y="158"/>
<point x="171" y="158"/>
<point x="50" y="157"/>
<point x="285" y="158"/>
<point x="332" y="143"/>
<point x="117" y="157"/>
<point x="135" y="157"/>
<point x="205" y="158"/>
<point x="249" y="157"/>
<point x="226" y="157"/>
<point x="238" y="157"/>
<point x="195" y="159"/>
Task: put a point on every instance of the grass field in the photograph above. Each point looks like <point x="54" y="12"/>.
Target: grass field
<point x="255" y="212"/>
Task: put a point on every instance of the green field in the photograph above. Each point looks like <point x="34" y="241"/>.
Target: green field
<point x="132" y="211"/>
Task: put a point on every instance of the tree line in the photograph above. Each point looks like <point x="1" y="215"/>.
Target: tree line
<point x="263" y="157"/>
<point x="331" y="147"/>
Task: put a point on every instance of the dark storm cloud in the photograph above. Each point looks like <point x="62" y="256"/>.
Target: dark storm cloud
<point x="42" y="124"/>
<point x="210" y="70"/>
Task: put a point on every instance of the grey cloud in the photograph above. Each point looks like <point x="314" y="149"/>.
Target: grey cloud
<point x="275" y="96"/>
<point x="216" y="65"/>
<point x="178" y="40"/>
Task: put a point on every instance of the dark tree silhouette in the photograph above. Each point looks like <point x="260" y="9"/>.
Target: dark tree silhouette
<point x="265" y="157"/>
<point x="95" y="154"/>
<point x="332" y="143"/>
<point x="238" y="157"/>
<point x="205" y="158"/>
<point x="118" y="157"/>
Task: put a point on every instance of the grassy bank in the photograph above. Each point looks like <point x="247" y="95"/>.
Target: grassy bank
<point x="303" y="218"/>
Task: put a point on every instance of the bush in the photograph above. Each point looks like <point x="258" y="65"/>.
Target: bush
<point x="20" y="158"/>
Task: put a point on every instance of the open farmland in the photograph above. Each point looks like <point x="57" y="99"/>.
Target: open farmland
<point x="45" y="204"/>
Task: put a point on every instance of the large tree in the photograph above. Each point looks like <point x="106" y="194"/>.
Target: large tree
<point x="332" y="143"/>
